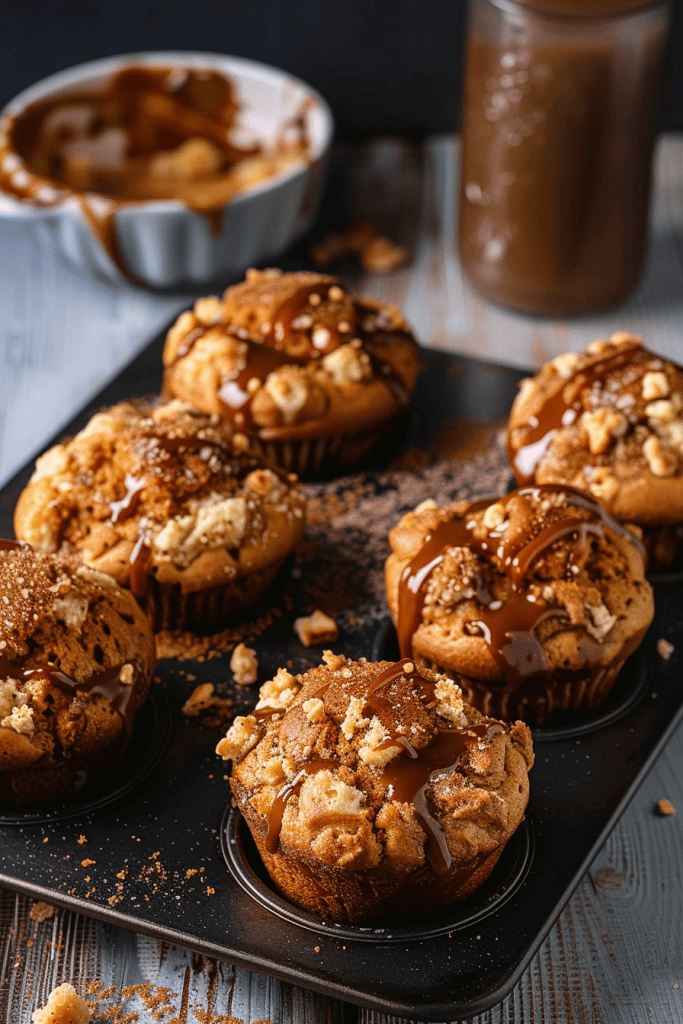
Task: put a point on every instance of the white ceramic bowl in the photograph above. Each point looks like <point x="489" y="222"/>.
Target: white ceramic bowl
<point x="163" y="244"/>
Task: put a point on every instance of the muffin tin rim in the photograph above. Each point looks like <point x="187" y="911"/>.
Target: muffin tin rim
<point x="520" y="846"/>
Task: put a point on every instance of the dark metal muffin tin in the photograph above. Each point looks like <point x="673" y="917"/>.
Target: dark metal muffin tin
<point x="148" y="850"/>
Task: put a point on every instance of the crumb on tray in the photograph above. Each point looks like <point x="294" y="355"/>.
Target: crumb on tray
<point x="664" y="649"/>
<point x="317" y="628"/>
<point x="244" y="665"/>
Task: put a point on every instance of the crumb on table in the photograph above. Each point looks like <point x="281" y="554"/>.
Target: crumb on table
<point x="665" y="808"/>
<point x="42" y="912"/>
<point x="64" y="1006"/>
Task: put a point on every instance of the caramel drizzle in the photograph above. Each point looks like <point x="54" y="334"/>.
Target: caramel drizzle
<point x="127" y="505"/>
<point x="105" y="683"/>
<point x="9" y="545"/>
<point x="561" y="409"/>
<point x="140" y="561"/>
<point x="509" y="629"/>
<point x="262" y="357"/>
<point x="410" y="776"/>
<point x="290" y="789"/>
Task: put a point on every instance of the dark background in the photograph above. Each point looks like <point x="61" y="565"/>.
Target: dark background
<point x="384" y="65"/>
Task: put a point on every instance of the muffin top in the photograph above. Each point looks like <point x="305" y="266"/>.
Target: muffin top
<point x="164" y="490"/>
<point x="292" y="356"/>
<point x="512" y="588"/>
<point x="354" y="763"/>
<point x="609" y="421"/>
<point x="76" y="657"/>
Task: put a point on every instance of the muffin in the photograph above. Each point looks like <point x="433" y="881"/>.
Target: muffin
<point x="531" y="602"/>
<point x="76" y="662"/>
<point x="608" y="421"/>
<point x="173" y="504"/>
<point x="316" y="374"/>
<point x="373" y="792"/>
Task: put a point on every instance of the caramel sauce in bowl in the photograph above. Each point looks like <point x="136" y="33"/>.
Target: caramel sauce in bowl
<point x="96" y="158"/>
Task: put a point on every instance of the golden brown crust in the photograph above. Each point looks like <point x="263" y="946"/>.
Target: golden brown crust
<point x="584" y="594"/>
<point x="183" y="484"/>
<point x="76" y="662"/>
<point x="349" y="365"/>
<point x="351" y="839"/>
<point x="625" y="442"/>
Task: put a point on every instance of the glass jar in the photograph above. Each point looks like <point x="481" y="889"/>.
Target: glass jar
<point x="560" y="112"/>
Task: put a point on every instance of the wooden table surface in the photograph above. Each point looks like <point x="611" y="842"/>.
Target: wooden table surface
<point x="616" y="952"/>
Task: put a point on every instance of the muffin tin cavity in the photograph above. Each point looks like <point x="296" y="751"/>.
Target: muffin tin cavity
<point x="631" y="686"/>
<point x="248" y="870"/>
<point x="151" y="736"/>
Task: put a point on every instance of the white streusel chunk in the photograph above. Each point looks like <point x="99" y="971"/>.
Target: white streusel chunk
<point x="565" y="364"/>
<point x="655" y="385"/>
<point x="600" y="620"/>
<point x="353" y="720"/>
<point x="241" y="737"/>
<point x="20" y="720"/>
<point x="348" y="365"/>
<point x="323" y="797"/>
<point x="289" y="388"/>
<point x="662" y="461"/>
<point x="451" y="704"/>
<point x="494" y="516"/>
<point x="279" y="692"/>
<point x="372" y="750"/>
<point x="314" y="709"/>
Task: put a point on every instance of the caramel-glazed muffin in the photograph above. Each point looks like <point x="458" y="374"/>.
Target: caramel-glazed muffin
<point x="372" y="791"/>
<point x="608" y="421"/>
<point x="318" y="375"/>
<point x="533" y="600"/>
<point x="170" y="502"/>
<point x="76" y="662"/>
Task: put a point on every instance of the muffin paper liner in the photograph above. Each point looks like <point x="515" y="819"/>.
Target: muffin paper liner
<point x="204" y="610"/>
<point x="561" y="691"/>
<point x="310" y="458"/>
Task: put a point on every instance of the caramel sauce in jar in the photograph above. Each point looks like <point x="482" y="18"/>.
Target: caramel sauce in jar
<point x="561" y="103"/>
